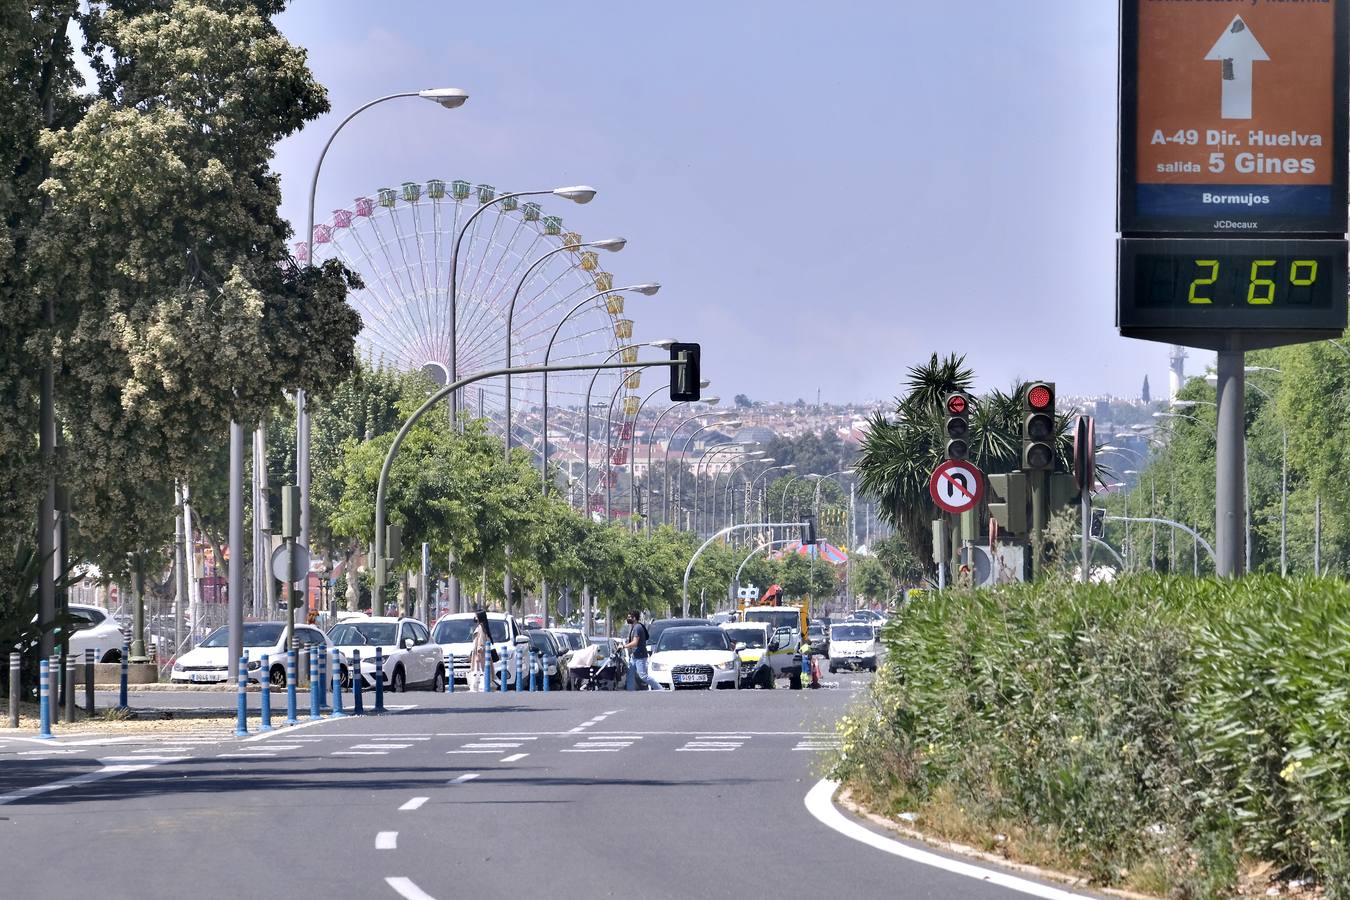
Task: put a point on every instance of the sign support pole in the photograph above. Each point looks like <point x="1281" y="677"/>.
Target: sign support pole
<point x="1040" y="508"/>
<point x="1086" y="504"/>
<point x="1231" y="438"/>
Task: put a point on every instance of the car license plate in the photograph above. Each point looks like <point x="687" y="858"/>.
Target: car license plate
<point x="203" y="676"/>
<point x="691" y="679"/>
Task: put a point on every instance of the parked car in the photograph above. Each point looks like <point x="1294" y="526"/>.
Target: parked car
<point x="698" y="656"/>
<point x="94" y="630"/>
<point x="852" y="646"/>
<point x="411" y="659"/>
<point x="554" y="655"/>
<point x="750" y="640"/>
<point x="454" y="634"/>
<point x="209" y="661"/>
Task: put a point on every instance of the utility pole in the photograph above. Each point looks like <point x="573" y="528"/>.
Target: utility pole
<point x="1228" y="488"/>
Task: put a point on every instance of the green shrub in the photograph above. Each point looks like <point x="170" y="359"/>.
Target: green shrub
<point x="1124" y="723"/>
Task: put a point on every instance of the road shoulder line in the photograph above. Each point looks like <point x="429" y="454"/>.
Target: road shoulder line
<point x="820" y="803"/>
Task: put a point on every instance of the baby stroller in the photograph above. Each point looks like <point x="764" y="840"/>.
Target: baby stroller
<point x="599" y="667"/>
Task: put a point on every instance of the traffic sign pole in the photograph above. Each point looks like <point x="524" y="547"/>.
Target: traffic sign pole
<point x="1229" y="457"/>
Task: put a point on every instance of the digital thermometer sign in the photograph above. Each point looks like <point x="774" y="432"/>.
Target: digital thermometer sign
<point x="1282" y="289"/>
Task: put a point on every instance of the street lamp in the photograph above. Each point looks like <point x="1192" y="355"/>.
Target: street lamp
<point x="661" y="344"/>
<point x="445" y="97"/>
<point x="614" y="245"/>
<point x="789" y="468"/>
<point x="699" y="508"/>
<point x="577" y="194"/>
<point x="609" y="435"/>
<point x="632" y="452"/>
<point x="731" y="482"/>
<point x="651" y="439"/>
<point x="815" y="506"/>
<point x="665" y="500"/>
<point x="648" y="289"/>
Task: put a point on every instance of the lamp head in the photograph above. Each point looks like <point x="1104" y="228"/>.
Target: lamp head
<point x="767" y="460"/>
<point x="734" y="423"/>
<point x="711" y="401"/>
<point x="577" y="193"/>
<point x="663" y="344"/>
<point x="788" y="467"/>
<point x="613" y="245"/>
<point x="450" y="98"/>
<point x="704" y="385"/>
<point x="649" y="288"/>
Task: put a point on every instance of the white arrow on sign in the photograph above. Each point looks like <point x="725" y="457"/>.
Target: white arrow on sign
<point x="1236" y="49"/>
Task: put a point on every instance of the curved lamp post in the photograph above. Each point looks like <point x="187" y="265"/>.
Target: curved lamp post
<point x="647" y="289"/>
<point x="789" y="468"/>
<point x="651" y="439"/>
<point x="609" y="436"/>
<point x="447" y="98"/>
<point x="576" y="193"/>
<point x="731" y="481"/>
<point x="632" y="451"/>
<point x="735" y="423"/>
<point x="662" y="344"/>
<point x="613" y="245"/>
<point x="712" y="468"/>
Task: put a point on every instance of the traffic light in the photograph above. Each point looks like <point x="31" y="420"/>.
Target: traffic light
<point x="957" y="407"/>
<point x="684" y="379"/>
<point x="808" y="534"/>
<point x="1008" y="502"/>
<point x="1098" y="527"/>
<point x="1038" y="427"/>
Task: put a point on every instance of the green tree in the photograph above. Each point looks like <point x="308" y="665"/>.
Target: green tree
<point x="870" y="579"/>
<point x="149" y="226"/>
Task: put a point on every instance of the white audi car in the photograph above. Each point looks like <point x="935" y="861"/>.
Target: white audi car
<point x="697" y="656"/>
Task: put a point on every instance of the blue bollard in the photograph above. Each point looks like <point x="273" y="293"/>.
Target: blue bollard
<point x="315" y="692"/>
<point x="323" y="675"/>
<point x="122" y="685"/>
<point x="44" y="700"/>
<point x="292" y="682"/>
<point x="358" y="708"/>
<point x="265" y="681"/>
<point x="520" y="673"/>
<point x="545" y="674"/>
<point x="450" y="674"/>
<point x="506" y="664"/>
<point x="533" y="659"/>
<point x="379" y="680"/>
<point x="241" y="720"/>
<point x="488" y="671"/>
<point x="335" y="679"/>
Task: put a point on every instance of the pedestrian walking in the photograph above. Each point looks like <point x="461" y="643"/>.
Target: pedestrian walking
<point x="478" y="653"/>
<point x="635" y="642"/>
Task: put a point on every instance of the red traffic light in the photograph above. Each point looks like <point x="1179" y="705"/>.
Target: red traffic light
<point x="1040" y="397"/>
<point x="957" y="405"/>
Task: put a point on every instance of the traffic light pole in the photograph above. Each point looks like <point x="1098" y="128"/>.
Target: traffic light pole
<point x="1040" y="510"/>
<point x="1231" y="439"/>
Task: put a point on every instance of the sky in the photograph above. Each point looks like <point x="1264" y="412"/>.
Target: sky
<point x="828" y="193"/>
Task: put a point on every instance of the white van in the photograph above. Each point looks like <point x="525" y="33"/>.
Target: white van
<point x="852" y="646"/>
<point x="454" y="632"/>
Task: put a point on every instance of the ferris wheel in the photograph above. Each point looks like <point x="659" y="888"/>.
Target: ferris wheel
<point x="401" y="241"/>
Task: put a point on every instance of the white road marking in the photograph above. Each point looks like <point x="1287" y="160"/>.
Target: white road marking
<point x="820" y="803"/>
<point x="593" y="750"/>
<point x="473" y="751"/>
<point x="162" y="750"/>
<point x="610" y="712"/>
<point x="595" y="744"/>
<point x="386" y="840"/>
<point x="359" y="753"/>
<point x="46" y="753"/>
<point x="287" y="730"/>
<point x="414" y="803"/>
<point x="140" y="759"/>
<point x="407" y="889"/>
<point x="492" y="745"/>
<point x="460" y="779"/>
<point x="106" y="772"/>
<point x="515" y="757"/>
<point x="380" y="746"/>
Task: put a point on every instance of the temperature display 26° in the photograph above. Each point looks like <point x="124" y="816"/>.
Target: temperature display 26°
<point x="1294" y="286"/>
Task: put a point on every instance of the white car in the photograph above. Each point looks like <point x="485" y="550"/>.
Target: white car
<point x="94" y="630"/>
<point x="208" y="663"/>
<point x="411" y="659"/>
<point x="695" y="656"/>
<point x="752" y="640"/>
<point x="454" y="634"/>
<point x="852" y="646"/>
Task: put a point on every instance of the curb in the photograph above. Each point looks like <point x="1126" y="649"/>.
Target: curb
<point x="845" y="799"/>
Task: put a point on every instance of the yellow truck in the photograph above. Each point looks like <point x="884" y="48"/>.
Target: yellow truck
<point x="787" y="631"/>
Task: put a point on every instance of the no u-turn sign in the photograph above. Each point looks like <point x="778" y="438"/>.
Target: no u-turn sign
<point x="956" y="486"/>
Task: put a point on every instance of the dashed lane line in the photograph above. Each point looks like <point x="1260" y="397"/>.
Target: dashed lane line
<point x="413" y="804"/>
<point x="386" y="840"/>
<point x="514" y="757"/>
<point x="407" y="889"/>
<point x="461" y="779"/>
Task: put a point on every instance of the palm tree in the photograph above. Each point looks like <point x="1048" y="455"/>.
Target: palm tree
<point x="899" y="454"/>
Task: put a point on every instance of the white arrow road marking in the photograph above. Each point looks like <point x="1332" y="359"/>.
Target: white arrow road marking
<point x="386" y="840"/>
<point x="1236" y="49"/>
<point x="820" y="803"/>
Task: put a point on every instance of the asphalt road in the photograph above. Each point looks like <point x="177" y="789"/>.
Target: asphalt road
<point x="464" y="795"/>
